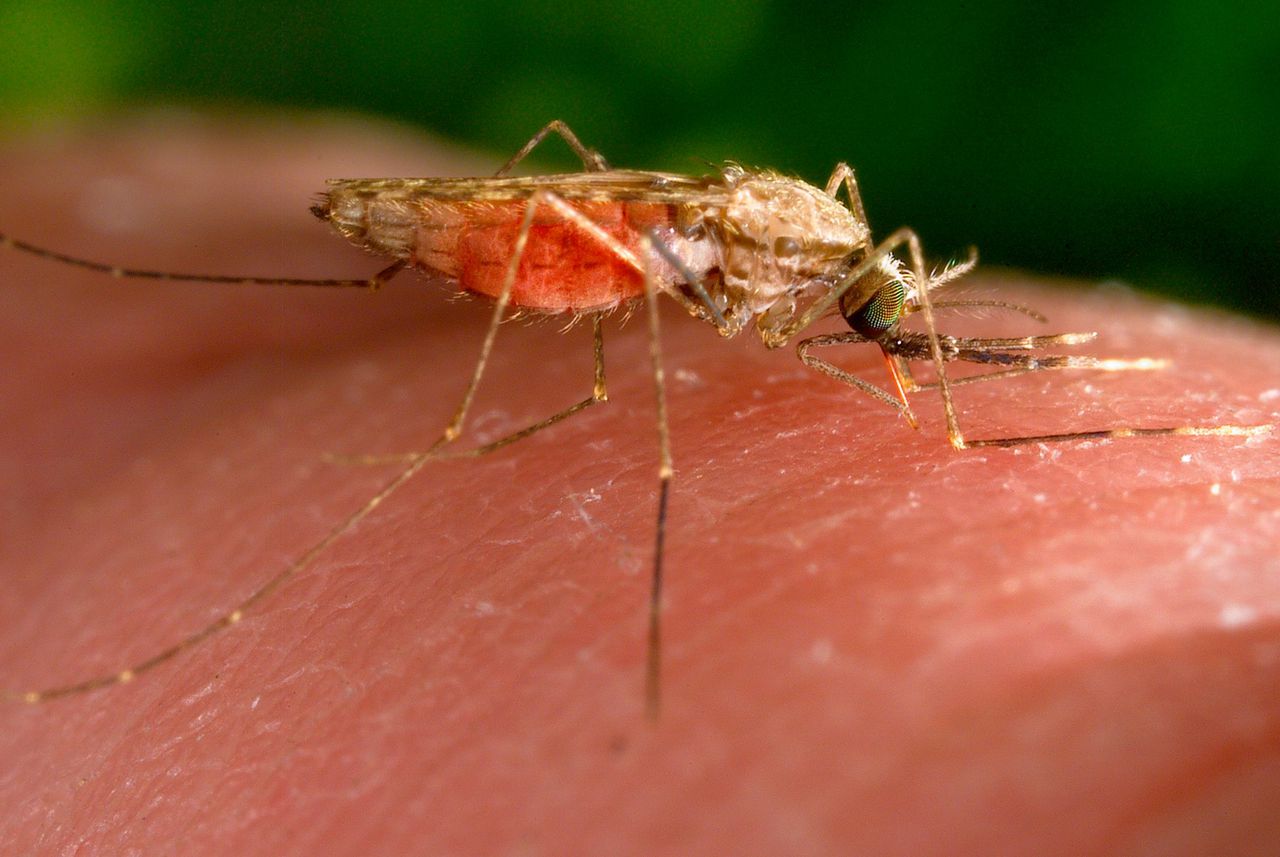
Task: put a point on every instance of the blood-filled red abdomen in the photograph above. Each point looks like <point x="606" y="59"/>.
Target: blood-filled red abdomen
<point x="564" y="268"/>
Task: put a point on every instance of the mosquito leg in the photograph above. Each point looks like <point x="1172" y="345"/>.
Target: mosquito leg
<point x="959" y="441"/>
<point x="935" y="348"/>
<point x="665" y="469"/>
<point x="599" y="393"/>
<point x="653" y="662"/>
<point x="653" y="670"/>
<point x="384" y="276"/>
<point x="653" y="684"/>
<point x="1039" y="364"/>
<point x="454" y="428"/>
<point x="1124" y="432"/>
<point x="843" y="174"/>
<point x="412" y="464"/>
<point x="864" y="290"/>
<point x="121" y="273"/>
<point x="592" y="161"/>
<point x="235" y="615"/>
<point x="833" y="371"/>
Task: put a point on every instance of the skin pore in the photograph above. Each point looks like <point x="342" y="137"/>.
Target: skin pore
<point x="874" y="643"/>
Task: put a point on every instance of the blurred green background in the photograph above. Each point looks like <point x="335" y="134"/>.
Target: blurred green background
<point x="1134" y="140"/>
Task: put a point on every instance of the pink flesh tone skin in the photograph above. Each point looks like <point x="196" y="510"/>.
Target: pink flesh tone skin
<point x="875" y="644"/>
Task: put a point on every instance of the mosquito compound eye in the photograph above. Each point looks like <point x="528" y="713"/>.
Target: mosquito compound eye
<point x="880" y="313"/>
<point x="786" y="246"/>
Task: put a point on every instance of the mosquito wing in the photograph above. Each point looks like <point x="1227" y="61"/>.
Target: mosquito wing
<point x="607" y="186"/>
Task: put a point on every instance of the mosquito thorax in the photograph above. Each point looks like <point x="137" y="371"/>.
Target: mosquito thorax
<point x="782" y="237"/>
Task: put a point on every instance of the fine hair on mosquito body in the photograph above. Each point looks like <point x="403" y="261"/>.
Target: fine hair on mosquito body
<point x="737" y="249"/>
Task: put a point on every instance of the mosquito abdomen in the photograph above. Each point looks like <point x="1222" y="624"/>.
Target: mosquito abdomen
<point x="471" y="243"/>
<point x="383" y="223"/>
<point x="563" y="269"/>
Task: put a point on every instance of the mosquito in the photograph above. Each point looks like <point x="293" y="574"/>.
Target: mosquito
<point x="736" y="249"/>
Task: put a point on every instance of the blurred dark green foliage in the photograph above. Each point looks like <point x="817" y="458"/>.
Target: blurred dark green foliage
<point x="1137" y="140"/>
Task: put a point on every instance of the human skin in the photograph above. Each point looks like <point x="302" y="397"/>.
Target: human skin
<point x="874" y="644"/>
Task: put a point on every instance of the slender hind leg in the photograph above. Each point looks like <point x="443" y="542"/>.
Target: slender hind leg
<point x="592" y="161"/>
<point x="233" y="616"/>
<point x="843" y="174"/>
<point x="412" y="463"/>
<point x="119" y="272"/>
<point x="666" y="472"/>
<point x="599" y="393"/>
<point x="653" y="690"/>
<point x="653" y="683"/>
<point x="453" y="430"/>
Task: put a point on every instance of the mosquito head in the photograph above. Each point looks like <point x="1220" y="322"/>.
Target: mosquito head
<point x="881" y="314"/>
<point x="890" y="285"/>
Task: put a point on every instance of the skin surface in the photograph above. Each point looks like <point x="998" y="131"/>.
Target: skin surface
<point x="874" y="644"/>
